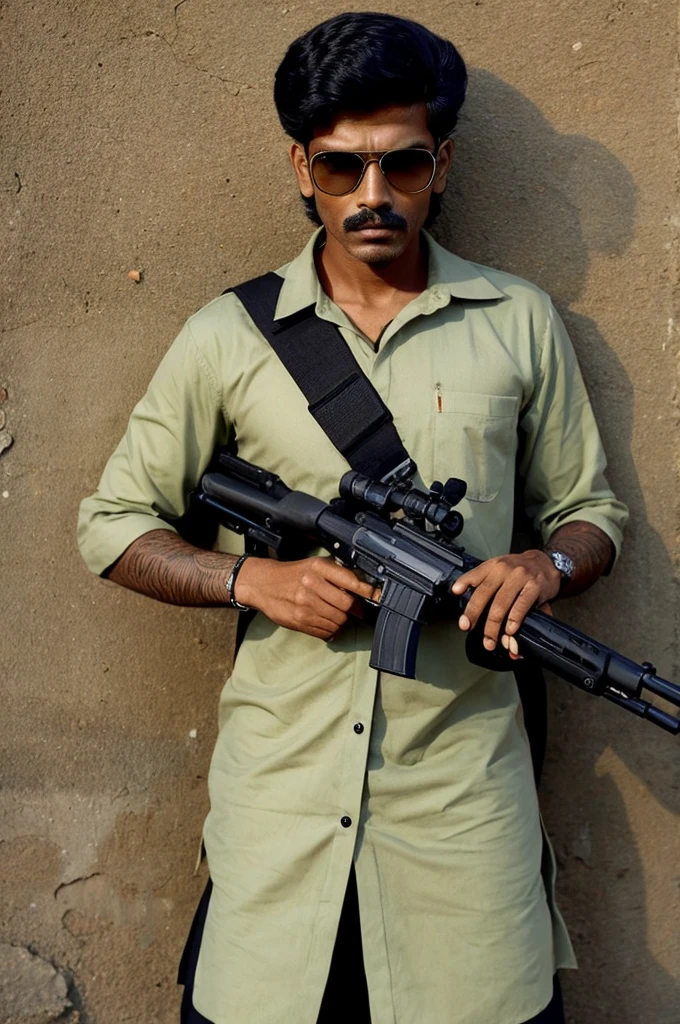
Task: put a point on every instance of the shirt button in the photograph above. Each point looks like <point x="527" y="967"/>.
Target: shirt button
<point x="358" y="727"/>
<point x="345" y="821"/>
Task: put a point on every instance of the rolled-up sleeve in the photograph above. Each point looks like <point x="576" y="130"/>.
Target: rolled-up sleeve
<point x="562" y="459"/>
<point x="170" y="438"/>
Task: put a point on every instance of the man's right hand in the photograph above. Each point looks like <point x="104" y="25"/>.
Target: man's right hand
<point x="313" y="595"/>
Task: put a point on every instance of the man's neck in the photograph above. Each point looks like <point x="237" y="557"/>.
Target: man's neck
<point x="345" y="278"/>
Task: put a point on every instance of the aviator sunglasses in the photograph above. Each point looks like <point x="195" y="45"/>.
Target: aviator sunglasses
<point x="338" y="173"/>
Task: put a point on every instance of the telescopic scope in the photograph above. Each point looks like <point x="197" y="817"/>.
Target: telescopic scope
<point x="434" y="506"/>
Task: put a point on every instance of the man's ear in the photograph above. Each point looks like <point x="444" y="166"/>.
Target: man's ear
<point x="298" y="158"/>
<point x="444" y="159"/>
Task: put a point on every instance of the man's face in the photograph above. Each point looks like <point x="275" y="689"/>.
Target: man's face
<point x="377" y="222"/>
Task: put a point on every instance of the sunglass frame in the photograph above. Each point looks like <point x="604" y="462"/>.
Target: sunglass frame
<point x="369" y="157"/>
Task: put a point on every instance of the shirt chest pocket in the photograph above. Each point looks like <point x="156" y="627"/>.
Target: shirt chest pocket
<point x="475" y="438"/>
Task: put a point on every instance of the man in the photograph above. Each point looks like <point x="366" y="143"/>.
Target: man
<point x="327" y="781"/>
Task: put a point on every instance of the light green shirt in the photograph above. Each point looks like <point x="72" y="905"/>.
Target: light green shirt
<point x="455" y="880"/>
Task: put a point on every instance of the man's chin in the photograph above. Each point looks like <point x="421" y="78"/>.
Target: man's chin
<point x="378" y="251"/>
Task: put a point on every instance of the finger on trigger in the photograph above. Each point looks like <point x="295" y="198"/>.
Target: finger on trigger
<point x="365" y="589"/>
<point x="346" y="579"/>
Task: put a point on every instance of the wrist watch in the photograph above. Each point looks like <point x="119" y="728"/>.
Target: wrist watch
<point x="564" y="565"/>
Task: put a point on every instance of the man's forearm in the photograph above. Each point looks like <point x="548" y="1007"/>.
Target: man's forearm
<point x="161" y="565"/>
<point x="589" y="548"/>
<point x="311" y="595"/>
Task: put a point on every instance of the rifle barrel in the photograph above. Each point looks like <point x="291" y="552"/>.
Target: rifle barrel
<point x="643" y="709"/>
<point x="662" y="687"/>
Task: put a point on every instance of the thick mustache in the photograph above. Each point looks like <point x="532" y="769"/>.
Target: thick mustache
<point x="368" y="219"/>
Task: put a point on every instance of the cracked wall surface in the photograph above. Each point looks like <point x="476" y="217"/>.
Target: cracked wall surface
<point x="143" y="137"/>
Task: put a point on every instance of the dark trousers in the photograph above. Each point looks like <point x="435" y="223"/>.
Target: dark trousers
<point x="346" y="990"/>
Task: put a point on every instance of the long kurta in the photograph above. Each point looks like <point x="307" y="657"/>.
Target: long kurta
<point x="426" y="784"/>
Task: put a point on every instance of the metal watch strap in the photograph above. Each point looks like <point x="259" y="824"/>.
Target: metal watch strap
<point x="564" y="565"/>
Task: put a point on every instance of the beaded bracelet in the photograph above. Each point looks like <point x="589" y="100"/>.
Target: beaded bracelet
<point x="231" y="583"/>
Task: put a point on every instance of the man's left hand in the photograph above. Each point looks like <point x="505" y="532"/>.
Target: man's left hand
<point x="510" y="586"/>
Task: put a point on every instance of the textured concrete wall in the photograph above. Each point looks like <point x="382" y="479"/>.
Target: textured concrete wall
<point x="144" y="136"/>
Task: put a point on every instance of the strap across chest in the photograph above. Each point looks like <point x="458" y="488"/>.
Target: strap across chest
<point x="339" y="395"/>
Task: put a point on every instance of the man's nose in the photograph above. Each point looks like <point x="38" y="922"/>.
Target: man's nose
<point x="374" y="190"/>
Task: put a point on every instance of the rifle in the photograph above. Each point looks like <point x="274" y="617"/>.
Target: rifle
<point x="414" y="560"/>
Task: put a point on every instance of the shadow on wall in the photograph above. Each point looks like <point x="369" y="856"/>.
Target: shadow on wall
<point x="531" y="201"/>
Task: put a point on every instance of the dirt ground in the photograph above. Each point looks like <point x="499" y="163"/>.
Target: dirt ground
<point x="143" y="136"/>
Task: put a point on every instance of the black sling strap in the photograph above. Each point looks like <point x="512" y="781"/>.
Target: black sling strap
<point x="340" y="396"/>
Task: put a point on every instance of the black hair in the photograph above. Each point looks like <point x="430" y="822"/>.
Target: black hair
<point x="365" y="61"/>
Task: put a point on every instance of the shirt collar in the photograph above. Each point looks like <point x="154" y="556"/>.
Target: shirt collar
<point x="448" y="274"/>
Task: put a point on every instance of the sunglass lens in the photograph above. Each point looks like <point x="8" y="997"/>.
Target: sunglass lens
<point x="409" y="170"/>
<point x="337" y="173"/>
